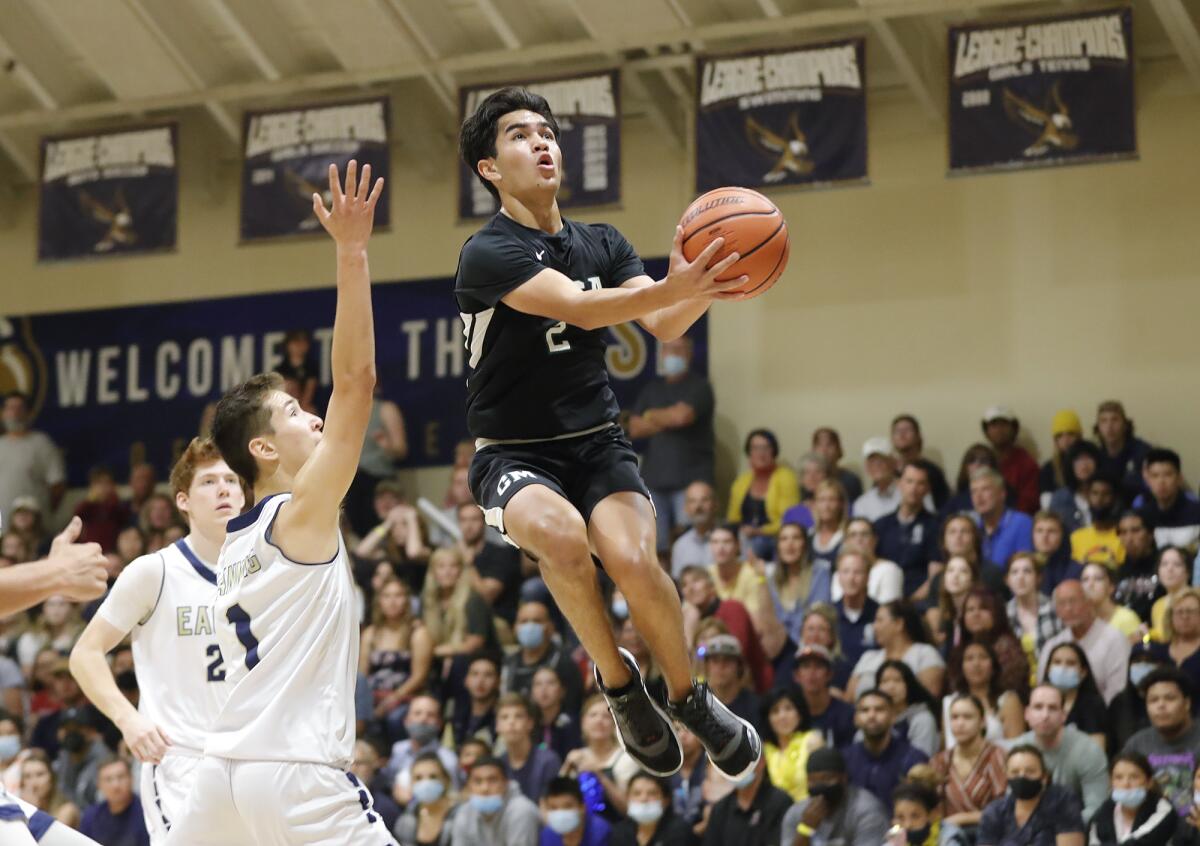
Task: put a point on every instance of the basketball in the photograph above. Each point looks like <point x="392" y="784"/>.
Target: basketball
<point x="752" y="227"/>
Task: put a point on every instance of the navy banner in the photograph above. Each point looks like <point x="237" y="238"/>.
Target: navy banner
<point x="588" y="111"/>
<point x="1046" y="91"/>
<point x="113" y="384"/>
<point x="108" y="193"/>
<point x="784" y="117"/>
<point x="287" y="158"/>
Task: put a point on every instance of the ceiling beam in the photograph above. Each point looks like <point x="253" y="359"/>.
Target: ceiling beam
<point x="1181" y="30"/>
<point x="442" y="82"/>
<point x="633" y="78"/>
<point x="769" y="8"/>
<point x="246" y="39"/>
<point x="19" y="157"/>
<point x="908" y="69"/>
<point x="219" y="113"/>
<point x="499" y="25"/>
<point x="482" y="60"/>
<point x="25" y="164"/>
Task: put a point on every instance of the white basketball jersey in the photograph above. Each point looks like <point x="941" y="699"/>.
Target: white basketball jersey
<point x="289" y="634"/>
<point x="167" y="600"/>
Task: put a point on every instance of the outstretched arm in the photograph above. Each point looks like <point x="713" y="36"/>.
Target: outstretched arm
<point x="551" y="294"/>
<point x="75" y="570"/>
<point x="308" y="523"/>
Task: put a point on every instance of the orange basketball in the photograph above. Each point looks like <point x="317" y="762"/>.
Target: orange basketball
<point x="752" y="227"/>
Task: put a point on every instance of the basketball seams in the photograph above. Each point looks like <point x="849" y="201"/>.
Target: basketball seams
<point x="731" y="203"/>
<point x="709" y="223"/>
<point x="776" y="271"/>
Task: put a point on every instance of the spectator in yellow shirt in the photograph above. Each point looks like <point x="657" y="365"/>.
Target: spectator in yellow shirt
<point x="1099" y="541"/>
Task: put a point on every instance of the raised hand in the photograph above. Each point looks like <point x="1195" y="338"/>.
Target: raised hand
<point x="698" y="278"/>
<point x="351" y="214"/>
<point x="81" y="565"/>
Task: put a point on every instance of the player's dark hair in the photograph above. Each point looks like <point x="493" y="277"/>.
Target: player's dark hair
<point x="477" y="137"/>
<point x="241" y="416"/>
<point x="1167" y="675"/>
<point x="563" y="786"/>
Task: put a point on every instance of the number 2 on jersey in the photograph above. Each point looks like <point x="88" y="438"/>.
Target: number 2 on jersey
<point x="216" y="669"/>
<point x="240" y="620"/>
<point x="557" y="345"/>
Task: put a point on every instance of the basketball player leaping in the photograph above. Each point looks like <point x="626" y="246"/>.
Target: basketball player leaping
<point x="276" y="759"/>
<point x="166" y="600"/>
<point x="552" y="469"/>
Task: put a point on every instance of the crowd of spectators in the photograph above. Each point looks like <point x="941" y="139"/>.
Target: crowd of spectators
<point x="1005" y="655"/>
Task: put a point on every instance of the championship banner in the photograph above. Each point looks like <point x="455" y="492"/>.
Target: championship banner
<point x="588" y="112"/>
<point x="116" y="384"/>
<point x="1045" y="91"/>
<point x="287" y="158"/>
<point x="108" y="193"/>
<point x="783" y="117"/>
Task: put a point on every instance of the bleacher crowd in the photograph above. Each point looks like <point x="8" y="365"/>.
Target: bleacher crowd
<point x="1005" y="655"/>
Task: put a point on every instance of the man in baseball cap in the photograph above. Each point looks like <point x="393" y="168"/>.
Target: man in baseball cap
<point x="813" y="674"/>
<point x="724" y="671"/>
<point x="1020" y="471"/>
<point x="883" y="497"/>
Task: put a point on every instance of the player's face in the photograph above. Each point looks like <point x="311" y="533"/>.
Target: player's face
<point x="528" y="157"/>
<point x="214" y="497"/>
<point x="295" y="434"/>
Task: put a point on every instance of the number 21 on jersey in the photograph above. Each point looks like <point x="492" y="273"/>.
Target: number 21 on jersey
<point x="555" y="344"/>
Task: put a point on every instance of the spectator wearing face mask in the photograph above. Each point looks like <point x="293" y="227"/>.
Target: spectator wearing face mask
<point x="540" y="647"/>
<point x="651" y="820"/>
<point x="1136" y="812"/>
<point x="674" y="416"/>
<point x="835" y="811"/>
<point x="1034" y="812"/>
<point x="495" y="813"/>
<point x="568" y="821"/>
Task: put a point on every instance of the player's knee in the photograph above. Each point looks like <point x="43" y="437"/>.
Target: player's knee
<point x="561" y="539"/>
<point x="637" y="562"/>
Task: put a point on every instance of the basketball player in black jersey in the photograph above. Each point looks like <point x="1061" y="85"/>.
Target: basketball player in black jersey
<point x="552" y="469"/>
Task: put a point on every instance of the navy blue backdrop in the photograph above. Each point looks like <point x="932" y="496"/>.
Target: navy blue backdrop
<point x="125" y="383"/>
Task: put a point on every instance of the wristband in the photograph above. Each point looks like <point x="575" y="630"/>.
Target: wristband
<point x="805" y="830"/>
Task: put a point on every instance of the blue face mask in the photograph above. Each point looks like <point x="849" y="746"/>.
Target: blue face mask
<point x="620" y="609"/>
<point x="1129" y="797"/>
<point x="645" y="813"/>
<point x="563" y="820"/>
<point x="1139" y="671"/>
<point x="487" y="805"/>
<point x="674" y="365"/>
<point x="530" y="635"/>
<point x="1064" y="678"/>
<point x="428" y="790"/>
<point x="10" y="745"/>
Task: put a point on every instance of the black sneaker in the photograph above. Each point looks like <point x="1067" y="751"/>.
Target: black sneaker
<point x="732" y="743"/>
<point x="643" y="728"/>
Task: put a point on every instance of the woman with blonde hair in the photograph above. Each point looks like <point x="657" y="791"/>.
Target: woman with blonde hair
<point x="39" y="787"/>
<point x="830" y="511"/>
<point x="601" y="757"/>
<point x="1181" y="634"/>
<point x="457" y="618"/>
<point x="395" y="656"/>
<point x="1174" y="574"/>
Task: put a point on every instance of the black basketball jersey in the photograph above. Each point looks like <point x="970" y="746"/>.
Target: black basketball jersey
<point x="533" y="377"/>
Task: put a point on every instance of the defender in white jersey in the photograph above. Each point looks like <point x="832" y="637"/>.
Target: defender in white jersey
<point x="166" y="599"/>
<point x="276" y="762"/>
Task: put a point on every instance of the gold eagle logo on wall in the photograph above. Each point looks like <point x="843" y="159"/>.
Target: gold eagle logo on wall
<point x="22" y="367"/>
<point x="790" y="151"/>
<point x="1051" y="124"/>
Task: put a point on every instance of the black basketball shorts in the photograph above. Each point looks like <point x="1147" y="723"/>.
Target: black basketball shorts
<point x="583" y="470"/>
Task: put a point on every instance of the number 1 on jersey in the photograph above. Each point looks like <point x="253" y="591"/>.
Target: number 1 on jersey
<point x="557" y="345"/>
<point x="240" y="620"/>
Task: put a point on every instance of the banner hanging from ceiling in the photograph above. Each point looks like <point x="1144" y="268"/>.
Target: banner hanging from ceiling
<point x="588" y="112"/>
<point x="782" y="117"/>
<point x="287" y="157"/>
<point x="108" y="193"/>
<point x="1042" y="91"/>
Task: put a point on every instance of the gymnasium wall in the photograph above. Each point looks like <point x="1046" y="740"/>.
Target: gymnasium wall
<point x="919" y="293"/>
